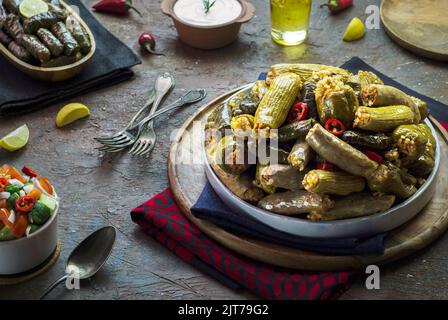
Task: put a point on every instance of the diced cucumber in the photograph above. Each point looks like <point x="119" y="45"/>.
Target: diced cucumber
<point x="40" y="213"/>
<point x="6" y="234"/>
<point x="48" y="201"/>
<point x="33" y="228"/>
<point x="12" y="188"/>
<point x="12" y="200"/>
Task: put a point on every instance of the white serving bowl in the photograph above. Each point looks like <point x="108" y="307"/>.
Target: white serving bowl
<point x="361" y="227"/>
<point x="21" y="255"/>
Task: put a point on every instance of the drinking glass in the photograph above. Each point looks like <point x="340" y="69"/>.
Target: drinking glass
<point x="289" y="21"/>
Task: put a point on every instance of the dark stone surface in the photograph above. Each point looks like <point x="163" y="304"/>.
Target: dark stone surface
<point x="99" y="191"/>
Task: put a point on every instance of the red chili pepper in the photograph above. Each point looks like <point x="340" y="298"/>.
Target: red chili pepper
<point x="148" y="42"/>
<point x="121" y="7"/>
<point x="298" y="112"/>
<point x="3" y="184"/>
<point x="374" y="156"/>
<point x="327" y="166"/>
<point x="29" y="172"/>
<point x="25" y="204"/>
<point x="335" y="126"/>
<point x="336" y="6"/>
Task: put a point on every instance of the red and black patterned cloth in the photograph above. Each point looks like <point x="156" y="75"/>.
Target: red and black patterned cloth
<point x="162" y="219"/>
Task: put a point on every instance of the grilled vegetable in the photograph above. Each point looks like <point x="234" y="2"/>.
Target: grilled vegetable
<point x="232" y="155"/>
<point x="12" y="6"/>
<point x="340" y="153"/>
<point x="51" y="42"/>
<point x="220" y="118"/>
<point x="79" y="34"/>
<point x="336" y="100"/>
<point x="410" y="141"/>
<point x="19" y="51"/>
<point x="62" y="61"/>
<point x="372" y="140"/>
<point x="281" y="176"/>
<point x="355" y="205"/>
<point x="387" y="179"/>
<point x="37" y="49"/>
<point x="422" y="107"/>
<point x="308" y="94"/>
<point x="383" y="119"/>
<point x="5" y="39"/>
<point x="300" y="155"/>
<point x="336" y="183"/>
<point x="295" y="202"/>
<point x="242" y="125"/>
<point x="243" y="103"/>
<point x="425" y="163"/>
<point x="275" y="105"/>
<point x="295" y="130"/>
<point x="43" y="20"/>
<point x="377" y="95"/>
<point x="261" y="183"/>
<point x="13" y="27"/>
<point x="71" y="47"/>
<point x="304" y="71"/>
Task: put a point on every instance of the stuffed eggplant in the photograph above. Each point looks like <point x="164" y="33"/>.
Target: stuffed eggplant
<point x="376" y="95"/>
<point x="353" y="206"/>
<point x="301" y="154"/>
<point x="274" y="107"/>
<point x="295" y="202"/>
<point x="335" y="183"/>
<point x="336" y="100"/>
<point x="51" y="42"/>
<point x="383" y="119"/>
<point x="281" y="176"/>
<point x="71" y="46"/>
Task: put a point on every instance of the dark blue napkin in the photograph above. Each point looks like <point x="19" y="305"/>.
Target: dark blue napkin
<point x="210" y="207"/>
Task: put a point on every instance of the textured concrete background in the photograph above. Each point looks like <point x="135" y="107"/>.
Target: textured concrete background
<point x="99" y="191"/>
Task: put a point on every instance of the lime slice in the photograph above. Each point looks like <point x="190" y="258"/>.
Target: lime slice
<point x="29" y="8"/>
<point x="355" y="30"/>
<point x="16" y="140"/>
<point x="71" y="113"/>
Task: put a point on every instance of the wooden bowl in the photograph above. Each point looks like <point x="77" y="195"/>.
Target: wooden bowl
<point x="57" y="73"/>
<point x="209" y="37"/>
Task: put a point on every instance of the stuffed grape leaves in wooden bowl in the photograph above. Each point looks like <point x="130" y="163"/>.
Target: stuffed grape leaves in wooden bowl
<point x="45" y="39"/>
<point x="318" y="152"/>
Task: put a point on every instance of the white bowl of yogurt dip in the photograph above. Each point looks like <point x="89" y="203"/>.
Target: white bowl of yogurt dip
<point x="208" y="29"/>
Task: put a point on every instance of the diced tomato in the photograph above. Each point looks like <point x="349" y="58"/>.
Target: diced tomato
<point x="15" y="174"/>
<point x="4" y="215"/>
<point x="46" y="185"/>
<point x="3" y="183"/>
<point x="35" y="194"/>
<point x="25" y="204"/>
<point x="29" y="172"/>
<point x="20" y="225"/>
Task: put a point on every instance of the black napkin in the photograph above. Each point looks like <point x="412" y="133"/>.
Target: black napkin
<point x="111" y="64"/>
<point x="210" y="207"/>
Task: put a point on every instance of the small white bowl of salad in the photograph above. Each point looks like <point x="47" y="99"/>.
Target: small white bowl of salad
<point x="28" y="220"/>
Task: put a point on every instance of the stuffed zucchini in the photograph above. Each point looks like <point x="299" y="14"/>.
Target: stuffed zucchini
<point x="335" y="183"/>
<point x="383" y="119"/>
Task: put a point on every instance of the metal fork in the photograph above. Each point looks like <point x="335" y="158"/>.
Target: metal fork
<point x="163" y="85"/>
<point x="146" y="142"/>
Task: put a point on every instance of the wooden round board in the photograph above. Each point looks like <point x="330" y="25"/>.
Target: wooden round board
<point x="419" y="26"/>
<point x="23" y="277"/>
<point x="187" y="179"/>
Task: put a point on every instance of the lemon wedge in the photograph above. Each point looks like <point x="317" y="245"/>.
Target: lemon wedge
<point x="16" y="140"/>
<point x="71" y="113"/>
<point x="355" y="30"/>
<point x="30" y="8"/>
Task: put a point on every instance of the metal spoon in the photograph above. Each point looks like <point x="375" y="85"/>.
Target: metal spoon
<point x="88" y="257"/>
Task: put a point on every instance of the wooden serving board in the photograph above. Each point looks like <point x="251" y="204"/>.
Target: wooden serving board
<point x="187" y="180"/>
<point x="419" y="26"/>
